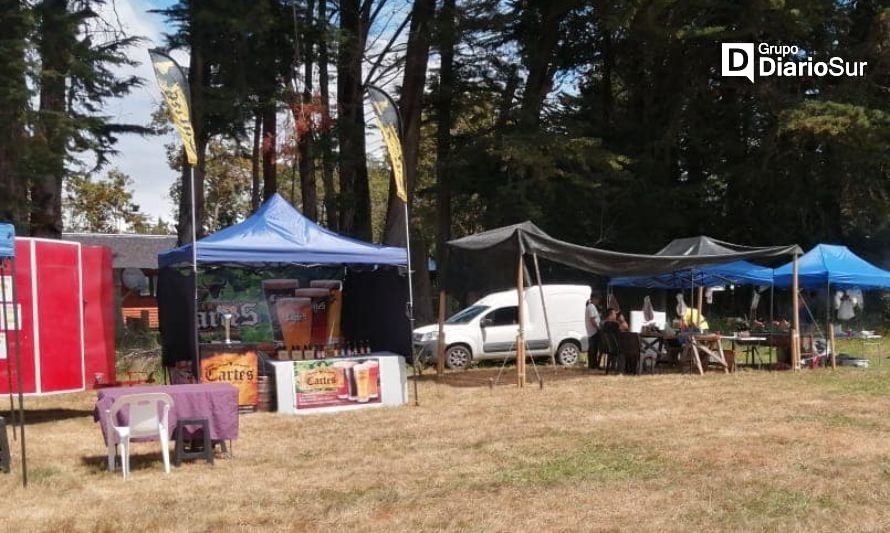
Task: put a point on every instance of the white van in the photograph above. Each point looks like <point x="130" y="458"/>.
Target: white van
<point x="488" y="328"/>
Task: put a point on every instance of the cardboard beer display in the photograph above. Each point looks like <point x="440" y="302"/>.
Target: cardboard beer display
<point x="334" y="307"/>
<point x="295" y="318"/>
<point x="320" y="300"/>
<point x="273" y="289"/>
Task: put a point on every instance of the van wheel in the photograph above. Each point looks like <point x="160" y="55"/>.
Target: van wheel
<point x="568" y="352"/>
<point x="458" y="357"/>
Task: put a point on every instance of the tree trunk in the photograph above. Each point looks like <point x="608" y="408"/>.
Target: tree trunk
<point x="608" y="65"/>
<point x="307" y="163"/>
<point x="325" y="138"/>
<point x="410" y="104"/>
<point x="13" y="104"/>
<point x="184" y="227"/>
<point x="541" y="48"/>
<point x="198" y="75"/>
<point x="270" y="131"/>
<point x="49" y="159"/>
<point x="355" y="200"/>
<point x="255" y="163"/>
<point x="447" y="37"/>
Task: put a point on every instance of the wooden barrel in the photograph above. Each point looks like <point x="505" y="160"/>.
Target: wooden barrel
<point x="265" y="393"/>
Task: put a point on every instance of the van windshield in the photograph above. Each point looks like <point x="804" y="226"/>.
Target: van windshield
<point x="468" y="314"/>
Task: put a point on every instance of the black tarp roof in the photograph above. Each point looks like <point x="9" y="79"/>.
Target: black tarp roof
<point x="489" y="259"/>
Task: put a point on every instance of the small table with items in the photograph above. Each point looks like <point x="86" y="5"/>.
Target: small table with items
<point x="217" y="402"/>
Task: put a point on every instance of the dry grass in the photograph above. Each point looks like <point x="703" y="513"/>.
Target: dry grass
<point x="750" y="451"/>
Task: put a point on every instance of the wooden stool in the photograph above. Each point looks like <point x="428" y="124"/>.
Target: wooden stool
<point x="206" y="452"/>
<point x="4" y="447"/>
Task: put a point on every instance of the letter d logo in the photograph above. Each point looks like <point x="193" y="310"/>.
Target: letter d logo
<point x="738" y="60"/>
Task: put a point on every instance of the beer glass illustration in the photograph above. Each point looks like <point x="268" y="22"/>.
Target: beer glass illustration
<point x="362" y="382"/>
<point x="344" y="369"/>
<point x="295" y="318"/>
<point x="373" y="379"/>
<point x="335" y="307"/>
<point x="272" y="290"/>
<point x="320" y="299"/>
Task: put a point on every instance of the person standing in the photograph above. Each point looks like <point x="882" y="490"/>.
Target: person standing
<point x="592" y="320"/>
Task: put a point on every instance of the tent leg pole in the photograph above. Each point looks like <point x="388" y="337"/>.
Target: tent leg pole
<point x="18" y="364"/>
<point x="546" y="317"/>
<point x="440" y="339"/>
<point x="197" y="358"/>
<point x="6" y="342"/>
<point x="520" y="338"/>
<point x="795" y="317"/>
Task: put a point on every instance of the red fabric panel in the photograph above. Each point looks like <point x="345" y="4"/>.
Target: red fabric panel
<point x="98" y="308"/>
<point x="25" y="335"/>
<point x="59" y="315"/>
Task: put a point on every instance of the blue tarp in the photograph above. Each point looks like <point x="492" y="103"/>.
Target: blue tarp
<point x="7" y="240"/>
<point x="737" y="273"/>
<point x="278" y="233"/>
<point x="837" y="265"/>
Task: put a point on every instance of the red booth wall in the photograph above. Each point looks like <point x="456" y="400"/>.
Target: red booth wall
<point x="65" y="291"/>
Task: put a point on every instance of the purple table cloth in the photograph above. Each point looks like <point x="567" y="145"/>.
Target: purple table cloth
<point x="217" y="402"/>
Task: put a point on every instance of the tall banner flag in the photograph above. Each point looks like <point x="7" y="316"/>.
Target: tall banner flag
<point x="388" y="121"/>
<point x="175" y="88"/>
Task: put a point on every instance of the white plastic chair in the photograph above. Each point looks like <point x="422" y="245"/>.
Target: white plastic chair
<point x="144" y="422"/>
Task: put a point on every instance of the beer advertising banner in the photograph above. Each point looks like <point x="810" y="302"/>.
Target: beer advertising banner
<point x="329" y="383"/>
<point x="239" y="369"/>
<point x="294" y="306"/>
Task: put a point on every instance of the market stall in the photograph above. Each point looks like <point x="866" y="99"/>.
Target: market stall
<point x="278" y="287"/>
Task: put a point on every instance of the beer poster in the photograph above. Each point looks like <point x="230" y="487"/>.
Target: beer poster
<point x="239" y="369"/>
<point x="329" y="383"/>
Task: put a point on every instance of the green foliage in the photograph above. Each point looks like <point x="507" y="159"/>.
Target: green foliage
<point x="105" y="205"/>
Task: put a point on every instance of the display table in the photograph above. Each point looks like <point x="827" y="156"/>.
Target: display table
<point x="217" y="402"/>
<point x="341" y="384"/>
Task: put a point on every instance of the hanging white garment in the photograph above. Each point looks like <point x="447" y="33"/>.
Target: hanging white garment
<point x="709" y="295"/>
<point x="648" y="311"/>
<point x="857" y="297"/>
<point x="838" y="296"/>
<point x="845" y="311"/>
<point x="681" y="305"/>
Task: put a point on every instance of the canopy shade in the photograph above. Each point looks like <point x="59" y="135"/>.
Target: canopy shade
<point x="835" y="265"/>
<point x="488" y="259"/>
<point x="278" y="233"/>
<point x="737" y="273"/>
<point x="7" y="240"/>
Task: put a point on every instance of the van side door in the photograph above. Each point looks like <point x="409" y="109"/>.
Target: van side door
<point x="499" y="330"/>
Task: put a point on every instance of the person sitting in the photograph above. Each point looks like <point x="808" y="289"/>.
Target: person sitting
<point x="693" y="321"/>
<point x="622" y="322"/>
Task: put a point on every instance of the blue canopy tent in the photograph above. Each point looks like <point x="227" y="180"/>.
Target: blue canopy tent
<point x="832" y="265"/>
<point x="736" y="273"/>
<point x="278" y="233"/>
<point x="375" y="284"/>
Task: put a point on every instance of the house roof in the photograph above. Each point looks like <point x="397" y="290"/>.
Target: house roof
<point x="127" y="250"/>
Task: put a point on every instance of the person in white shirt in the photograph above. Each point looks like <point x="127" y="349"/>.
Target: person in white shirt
<point x="592" y="319"/>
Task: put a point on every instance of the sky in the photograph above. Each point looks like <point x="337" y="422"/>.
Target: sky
<point x="144" y="158"/>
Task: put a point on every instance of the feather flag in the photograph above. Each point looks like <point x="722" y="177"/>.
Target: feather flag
<point x="175" y="88"/>
<point x="388" y="121"/>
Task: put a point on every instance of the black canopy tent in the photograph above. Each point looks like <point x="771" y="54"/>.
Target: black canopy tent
<point x="481" y="261"/>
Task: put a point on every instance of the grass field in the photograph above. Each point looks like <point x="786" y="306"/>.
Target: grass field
<point x="754" y="451"/>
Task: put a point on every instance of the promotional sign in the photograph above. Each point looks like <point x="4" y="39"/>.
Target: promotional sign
<point x="327" y="383"/>
<point x="239" y="369"/>
<point x="6" y="288"/>
<point x="250" y="297"/>
<point x="10" y="313"/>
